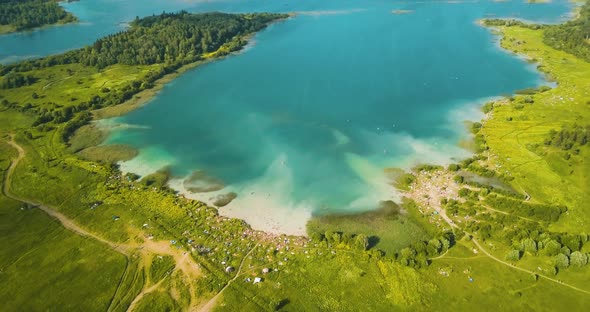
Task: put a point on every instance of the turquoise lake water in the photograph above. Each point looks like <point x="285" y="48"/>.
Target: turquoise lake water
<point x="318" y="105"/>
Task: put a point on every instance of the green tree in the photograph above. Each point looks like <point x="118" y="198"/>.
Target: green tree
<point x="552" y="248"/>
<point x="361" y="242"/>
<point x="529" y="245"/>
<point x="561" y="261"/>
<point x="513" y="255"/>
<point x="578" y="259"/>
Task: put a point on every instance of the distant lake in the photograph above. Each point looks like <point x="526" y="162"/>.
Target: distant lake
<point x="309" y="115"/>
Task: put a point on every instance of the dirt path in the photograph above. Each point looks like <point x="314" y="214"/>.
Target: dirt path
<point x="183" y="260"/>
<point x="508" y="214"/>
<point x="55" y="81"/>
<point x="144" y="292"/>
<point x="211" y="303"/>
<point x="65" y="221"/>
<point x="525" y="270"/>
<point x="439" y="185"/>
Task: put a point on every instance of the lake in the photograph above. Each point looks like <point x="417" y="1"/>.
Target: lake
<point x="305" y="120"/>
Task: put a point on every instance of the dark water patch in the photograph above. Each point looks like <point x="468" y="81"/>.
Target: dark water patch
<point x="108" y="154"/>
<point x="388" y="228"/>
<point x="494" y="182"/>
<point x="200" y="182"/>
<point x="224" y="199"/>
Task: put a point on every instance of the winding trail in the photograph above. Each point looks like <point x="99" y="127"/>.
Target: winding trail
<point x="183" y="260"/>
<point x="449" y="221"/>
<point x="525" y="270"/>
<point x="65" y="221"/>
<point x="508" y="214"/>
<point x="211" y="303"/>
<point x="434" y="192"/>
<point x="144" y="292"/>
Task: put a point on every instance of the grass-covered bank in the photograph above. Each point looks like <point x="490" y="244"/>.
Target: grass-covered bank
<point x="538" y="139"/>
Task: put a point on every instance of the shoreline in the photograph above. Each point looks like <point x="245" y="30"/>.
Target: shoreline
<point x="11" y="29"/>
<point x="278" y="221"/>
<point x="145" y="96"/>
<point x="257" y="208"/>
<point x="252" y="210"/>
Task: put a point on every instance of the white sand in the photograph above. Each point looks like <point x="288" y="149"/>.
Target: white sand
<point x="263" y="203"/>
<point x="148" y="161"/>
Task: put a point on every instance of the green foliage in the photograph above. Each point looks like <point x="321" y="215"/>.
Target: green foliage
<point x="427" y="168"/>
<point x="487" y="107"/>
<point x="573" y="36"/>
<point x="561" y="261"/>
<point x="578" y="259"/>
<point x="361" y="242"/>
<point x="568" y="137"/>
<point x="532" y="91"/>
<point x="28" y="14"/>
<point x="386" y="228"/>
<point x="542" y="212"/>
<point x="529" y="245"/>
<point x="404" y="181"/>
<point x="510" y="23"/>
<point x="157" y="179"/>
<point x="16" y="80"/>
<point x="454" y="167"/>
<point x="169" y="38"/>
<point x="552" y="248"/>
<point x="514" y="255"/>
<point x="417" y="255"/>
<point x="475" y="127"/>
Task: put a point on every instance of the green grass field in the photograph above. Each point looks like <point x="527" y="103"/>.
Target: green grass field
<point x="517" y="145"/>
<point x="43" y="265"/>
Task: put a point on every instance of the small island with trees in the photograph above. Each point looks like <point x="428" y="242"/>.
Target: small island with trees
<point x="20" y="15"/>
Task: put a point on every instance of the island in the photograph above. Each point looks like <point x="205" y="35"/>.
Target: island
<point x="499" y="230"/>
<point x="20" y="15"/>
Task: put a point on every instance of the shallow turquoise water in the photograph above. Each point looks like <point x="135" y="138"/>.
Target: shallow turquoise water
<point x="318" y="105"/>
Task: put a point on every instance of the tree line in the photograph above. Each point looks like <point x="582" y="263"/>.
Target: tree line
<point x="16" y="80"/>
<point x="540" y="212"/>
<point x="573" y="36"/>
<point x="172" y="40"/>
<point x="28" y="14"/>
<point x="565" y="249"/>
<point x="169" y="38"/>
<point x="568" y="137"/>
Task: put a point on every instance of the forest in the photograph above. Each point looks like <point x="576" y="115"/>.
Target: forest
<point x="28" y="14"/>
<point x="568" y="137"/>
<point x="169" y="38"/>
<point x="573" y="36"/>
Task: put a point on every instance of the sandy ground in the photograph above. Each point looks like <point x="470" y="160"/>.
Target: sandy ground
<point x="258" y="208"/>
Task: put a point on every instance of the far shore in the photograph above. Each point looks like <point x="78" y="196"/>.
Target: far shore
<point x="143" y="97"/>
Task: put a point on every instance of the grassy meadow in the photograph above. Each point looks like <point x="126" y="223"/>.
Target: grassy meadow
<point x="44" y="265"/>
<point x="517" y="130"/>
<point x="164" y="236"/>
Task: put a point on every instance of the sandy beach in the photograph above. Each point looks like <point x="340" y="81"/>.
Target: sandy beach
<point x="257" y="206"/>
